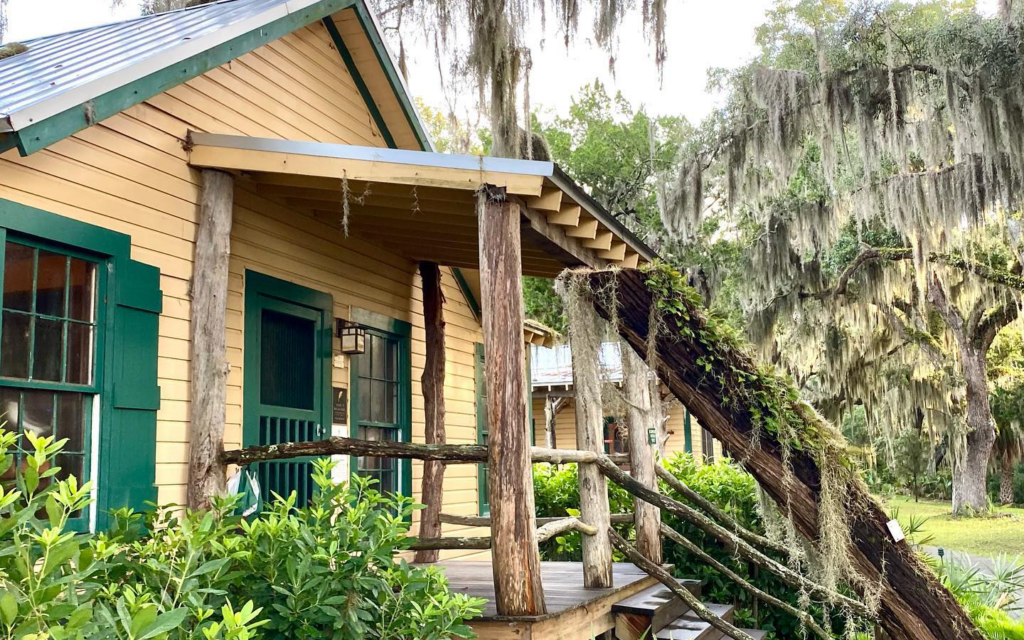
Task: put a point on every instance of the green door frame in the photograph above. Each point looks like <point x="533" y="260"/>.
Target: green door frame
<point x="283" y="295"/>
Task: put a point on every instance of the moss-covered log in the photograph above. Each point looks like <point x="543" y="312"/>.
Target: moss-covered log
<point x="760" y="419"/>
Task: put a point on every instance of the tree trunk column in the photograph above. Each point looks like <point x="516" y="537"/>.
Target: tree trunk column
<point x="643" y="397"/>
<point x="594" y="507"/>
<point x="433" y="405"/>
<point x="970" y="490"/>
<point x="208" y="332"/>
<point x="514" y="552"/>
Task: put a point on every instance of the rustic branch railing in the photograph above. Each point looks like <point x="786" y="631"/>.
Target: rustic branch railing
<point x="666" y="578"/>
<point x="485" y="521"/>
<point x="446" y="453"/>
<point x="733" y="536"/>
<point x="550" y="529"/>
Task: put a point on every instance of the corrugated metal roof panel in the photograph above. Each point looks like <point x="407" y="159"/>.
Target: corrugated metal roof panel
<point x="56" y="65"/>
<point x="553" y="367"/>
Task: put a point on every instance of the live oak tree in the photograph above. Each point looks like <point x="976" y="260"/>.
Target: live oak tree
<point x="486" y="40"/>
<point x="869" y="165"/>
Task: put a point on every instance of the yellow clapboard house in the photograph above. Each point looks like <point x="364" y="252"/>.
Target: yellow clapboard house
<point x="106" y="135"/>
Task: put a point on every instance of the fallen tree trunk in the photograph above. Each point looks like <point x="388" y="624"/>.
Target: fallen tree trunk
<point x="723" y="387"/>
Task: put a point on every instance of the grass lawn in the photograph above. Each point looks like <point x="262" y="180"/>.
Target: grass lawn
<point x="985" y="536"/>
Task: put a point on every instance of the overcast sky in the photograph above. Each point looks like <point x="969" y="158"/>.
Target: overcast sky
<point x="702" y="34"/>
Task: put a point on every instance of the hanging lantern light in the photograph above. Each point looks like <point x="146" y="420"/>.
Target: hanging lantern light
<point x="353" y="336"/>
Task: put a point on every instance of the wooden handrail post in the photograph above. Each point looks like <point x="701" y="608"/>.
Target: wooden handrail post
<point x="432" y="493"/>
<point x="643" y="417"/>
<point x="594" y="506"/>
<point x="515" y="555"/>
<point x="208" y="332"/>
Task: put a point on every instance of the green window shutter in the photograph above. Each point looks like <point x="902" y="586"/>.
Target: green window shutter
<point x="481" y="428"/>
<point x="687" y="431"/>
<point x="128" y="434"/>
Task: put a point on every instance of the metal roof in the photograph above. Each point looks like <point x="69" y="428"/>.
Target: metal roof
<point x="553" y="367"/>
<point x="63" y="71"/>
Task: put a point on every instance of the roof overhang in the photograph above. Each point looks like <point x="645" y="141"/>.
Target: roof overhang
<point x="423" y="205"/>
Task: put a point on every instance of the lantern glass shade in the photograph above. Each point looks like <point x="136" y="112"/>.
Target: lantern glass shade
<point x="353" y="337"/>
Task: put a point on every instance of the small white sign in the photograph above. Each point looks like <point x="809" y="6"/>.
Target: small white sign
<point x="341" y="472"/>
<point x="895" y="530"/>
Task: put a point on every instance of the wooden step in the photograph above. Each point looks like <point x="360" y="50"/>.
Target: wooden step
<point x="691" y="627"/>
<point x="652" y="608"/>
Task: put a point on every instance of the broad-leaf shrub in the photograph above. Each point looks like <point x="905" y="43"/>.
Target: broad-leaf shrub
<point x="327" y="570"/>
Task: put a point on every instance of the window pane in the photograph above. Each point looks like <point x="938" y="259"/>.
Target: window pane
<point x="392" y="372"/>
<point x="37" y="412"/>
<point x="71" y="421"/>
<point x="50" y="279"/>
<point x="391" y="410"/>
<point x="79" y="353"/>
<point x="70" y="465"/>
<point x="18" y="276"/>
<point x="14" y="345"/>
<point x="378" y="399"/>
<point x="9" y="400"/>
<point x="379" y="350"/>
<point x="83" y="286"/>
<point x="364" y="400"/>
<point x="364" y="359"/>
<point x="48" y="346"/>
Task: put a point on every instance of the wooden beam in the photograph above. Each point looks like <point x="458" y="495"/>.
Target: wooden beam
<point x="515" y="555"/>
<point x="485" y="521"/>
<point x="567" y="216"/>
<point x="432" y="381"/>
<point x="549" y="201"/>
<point x="631" y="261"/>
<point x="208" y="330"/>
<point x="594" y="506"/>
<point x="602" y="241"/>
<point x="616" y="253"/>
<point x="229" y="159"/>
<point x="643" y="415"/>
<point x="586" y="229"/>
<point x="560" y="237"/>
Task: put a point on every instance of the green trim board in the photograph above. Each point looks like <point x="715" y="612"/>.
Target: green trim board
<point x="474" y="304"/>
<point x="687" y="431"/>
<point x="401" y="332"/>
<point x="483" y="491"/>
<point x="130" y="302"/>
<point x="364" y="91"/>
<point x="53" y="129"/>
<point x="392" y="74"/>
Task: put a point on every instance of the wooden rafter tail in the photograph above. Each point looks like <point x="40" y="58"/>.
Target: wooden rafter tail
<point x="567" y="216"/>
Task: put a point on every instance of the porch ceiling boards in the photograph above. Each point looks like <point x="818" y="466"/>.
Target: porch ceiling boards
<point x="423" y="205"/>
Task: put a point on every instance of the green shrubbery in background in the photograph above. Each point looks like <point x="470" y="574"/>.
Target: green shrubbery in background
<point x="324" y="571"/>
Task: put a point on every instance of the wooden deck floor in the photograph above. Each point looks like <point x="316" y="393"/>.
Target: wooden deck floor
<point x="574" y="613"/>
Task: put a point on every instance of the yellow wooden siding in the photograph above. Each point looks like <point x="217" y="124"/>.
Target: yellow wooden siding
<point x="129" y="173"/>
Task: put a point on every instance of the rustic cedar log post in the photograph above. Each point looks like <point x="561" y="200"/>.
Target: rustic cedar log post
<point x="549" y="421"/>
<point x="433" y="405"/>
<point x="640" y="387"/>
<point x="594" y="506"/>
<point x="515" y="555"/>
<point x="914" y="604"/>
<point x="208" y="333"/>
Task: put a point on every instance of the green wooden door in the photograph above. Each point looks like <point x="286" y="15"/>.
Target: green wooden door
<point x="287" y="377"/>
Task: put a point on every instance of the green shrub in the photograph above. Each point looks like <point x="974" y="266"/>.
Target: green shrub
<point x="322" y="571"/>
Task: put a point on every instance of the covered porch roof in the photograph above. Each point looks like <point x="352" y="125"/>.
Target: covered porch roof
<point x="423" y="205"/>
